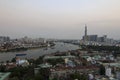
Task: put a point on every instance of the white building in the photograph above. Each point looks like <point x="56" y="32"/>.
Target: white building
<point x="108" y="72"/>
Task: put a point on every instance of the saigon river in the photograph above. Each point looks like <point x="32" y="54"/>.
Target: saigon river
<point x="35" y="53"/>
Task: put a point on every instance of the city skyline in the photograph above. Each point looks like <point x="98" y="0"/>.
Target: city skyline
<point x="64" y="19"/>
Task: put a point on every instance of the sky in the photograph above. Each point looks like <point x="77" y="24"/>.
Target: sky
<point x="59" y="19"/>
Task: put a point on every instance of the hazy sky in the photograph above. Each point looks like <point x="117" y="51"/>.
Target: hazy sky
<point x="59" y="18"/>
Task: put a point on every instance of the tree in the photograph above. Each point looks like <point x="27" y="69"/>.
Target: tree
<point x="2" y="68"/>
<point x="102" y="70"/>
<point x="54" y="79"/>
<point x="14" y="59"/>
<point x="78" y="76"/>
<point x="39" y="77"/>
<point x="44" y="72"/>
<point x="14" y="78"/>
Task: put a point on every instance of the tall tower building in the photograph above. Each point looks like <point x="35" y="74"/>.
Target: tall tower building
<point x="85" y="37"/>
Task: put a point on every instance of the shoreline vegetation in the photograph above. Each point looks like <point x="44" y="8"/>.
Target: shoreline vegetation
<point x="24" y="48"/>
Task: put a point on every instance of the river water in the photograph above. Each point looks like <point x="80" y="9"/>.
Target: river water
<point x="35" y="53"/>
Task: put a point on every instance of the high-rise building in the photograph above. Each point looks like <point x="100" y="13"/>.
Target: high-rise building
<point x="85" y="36"/>
<point x="92" y="38"/>
<point x="4" y="39"/>
<point x="102" y="39"/>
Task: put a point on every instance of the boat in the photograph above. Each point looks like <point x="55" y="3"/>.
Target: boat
<point x="52" y="48"/>
<point x="21" y="54"/>
<point x="48" y="45"/>
<point x="45" y="48"/>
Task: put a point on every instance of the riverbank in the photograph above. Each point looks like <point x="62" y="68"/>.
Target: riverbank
<point x="14" y="50"/>
<point x="25" y="48"/>
<point x="35" y="53"/>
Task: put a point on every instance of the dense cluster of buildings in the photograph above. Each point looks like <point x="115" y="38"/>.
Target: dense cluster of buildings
<point x="95" y="65"/>
<point x="92" y="40"/>
<point x="81" y="62"/>
<point x="6" y="66"/>
<point x="7" y="44"/>
<point x="96" y="40"/>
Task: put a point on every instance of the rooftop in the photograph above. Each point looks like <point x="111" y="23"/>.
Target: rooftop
<point x="4" y="75"/>
<point x="45" y="65"/>
<point x="57" y="57"/>
<point x="75" y="68"/>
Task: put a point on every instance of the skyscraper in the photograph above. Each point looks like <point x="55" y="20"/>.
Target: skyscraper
<point x="85" y="38"/>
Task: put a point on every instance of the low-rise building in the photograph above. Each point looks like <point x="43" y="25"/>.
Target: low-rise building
<point x="4" y="76"/>
<point x="57" y="57"/>
<point x="64" y="71"/>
